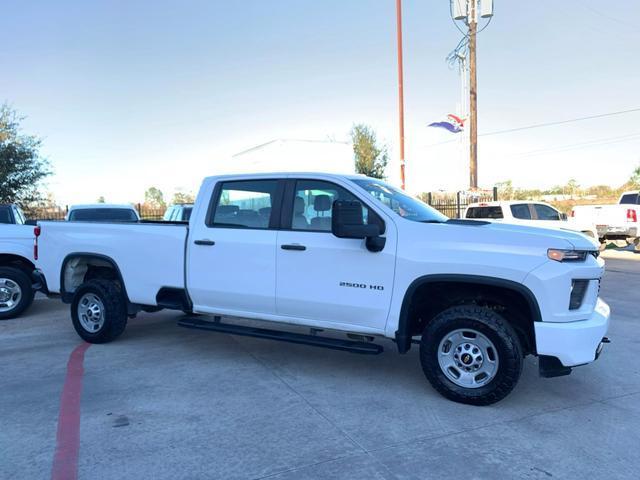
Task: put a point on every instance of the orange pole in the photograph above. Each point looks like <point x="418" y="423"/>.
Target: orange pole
<point x="400" y="89"/>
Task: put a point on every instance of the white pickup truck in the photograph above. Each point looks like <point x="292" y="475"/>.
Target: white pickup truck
<point x="351" y="255"/>
<point x="616" y="222"/>
<point x="16" y="262"/>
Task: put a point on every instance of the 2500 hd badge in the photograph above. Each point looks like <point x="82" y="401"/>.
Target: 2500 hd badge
<point x="361" y="285"/>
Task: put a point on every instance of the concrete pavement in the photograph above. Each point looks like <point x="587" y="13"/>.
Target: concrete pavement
<point x="165" y="402"/>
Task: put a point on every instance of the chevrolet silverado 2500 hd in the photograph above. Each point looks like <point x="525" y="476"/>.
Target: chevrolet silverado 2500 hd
<point x="349" y="254"/>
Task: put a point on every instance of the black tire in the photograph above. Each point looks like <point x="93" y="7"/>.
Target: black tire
<point x="496" y="329"/>
<point x="114" y="310"/>
<point x="21" y="278"/>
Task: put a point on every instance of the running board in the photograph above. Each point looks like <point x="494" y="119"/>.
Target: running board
<point x="313" y="340"/>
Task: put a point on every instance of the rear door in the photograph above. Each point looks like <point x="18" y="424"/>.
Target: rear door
<point x="326" y="278"/>
<point x="232" y="251"/>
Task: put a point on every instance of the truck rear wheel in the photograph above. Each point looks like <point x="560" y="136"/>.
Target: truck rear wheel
<point x="471" y="355"/>
<point x="99" y="311"/>
<point x="16" y="293"/>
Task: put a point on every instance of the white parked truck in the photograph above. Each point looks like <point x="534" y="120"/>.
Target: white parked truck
<point x="525" y="212"/>
<point x="16" y="262"/>
<point x="352" y="255"/>
<point x="616" y="222"/>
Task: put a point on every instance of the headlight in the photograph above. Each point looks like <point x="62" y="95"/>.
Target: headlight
<point x="567" y="255"/>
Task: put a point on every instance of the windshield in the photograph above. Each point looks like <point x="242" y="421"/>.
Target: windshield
<point x="103" y="215"/>
<point x="404" y="205"/>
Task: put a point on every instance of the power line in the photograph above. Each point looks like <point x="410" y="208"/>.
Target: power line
<point x="540" y="125"/>
<point x="562" y="122"/>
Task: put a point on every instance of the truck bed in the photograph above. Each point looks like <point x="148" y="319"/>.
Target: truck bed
<point x="149" y="255"/>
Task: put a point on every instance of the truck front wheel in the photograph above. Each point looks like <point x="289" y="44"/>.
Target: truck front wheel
<point x="99" y="311"/>
<point x="471" y="355"/>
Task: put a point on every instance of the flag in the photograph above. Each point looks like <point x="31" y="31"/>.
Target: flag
<point x="453" y="123"/>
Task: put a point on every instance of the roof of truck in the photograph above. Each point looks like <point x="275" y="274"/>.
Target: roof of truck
<point x="101" y="205"/>
<point x="291" y="174"/>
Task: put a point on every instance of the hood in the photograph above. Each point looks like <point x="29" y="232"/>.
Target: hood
<point x="510" y="233"/>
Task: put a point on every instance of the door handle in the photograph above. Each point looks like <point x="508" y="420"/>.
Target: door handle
<point x="294" y="246"/>
<point x="204" y="242"/>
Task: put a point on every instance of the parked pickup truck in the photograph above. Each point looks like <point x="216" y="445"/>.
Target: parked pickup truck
<point x="16" y="262"/>
<point x="616" y="222"/>
<point x="352" y="255"/>
<point x="535" y="214"/>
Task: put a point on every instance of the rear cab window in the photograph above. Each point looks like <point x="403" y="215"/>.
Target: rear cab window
<point x="103" y="215"/>
<point x="492" y="212"/>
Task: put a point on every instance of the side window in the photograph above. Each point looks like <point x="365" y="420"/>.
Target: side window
<point x="521" y="211"/>
<point x="20" y="218"/>
<point x="544" y="212"/>
<point x="244" y="204"/>
<point x="313" y="202"/>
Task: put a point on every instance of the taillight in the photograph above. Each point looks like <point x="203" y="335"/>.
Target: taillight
<point x="36" y="232"/>
<point x="632" y="215"/>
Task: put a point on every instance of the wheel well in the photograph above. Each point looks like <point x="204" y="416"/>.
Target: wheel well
<point x="10" y="260"/>
<point x="426" y="299"/>
<point x="77" y="269"/>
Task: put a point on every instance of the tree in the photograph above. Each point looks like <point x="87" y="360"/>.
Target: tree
<point x="153" y="198"/>
<point x="22" y="169"/>
<point x="370" y="159"/>
<point x="635" y="178"/>
<point x="180" y="198"/>
<point x="505" y="189"/>
<point x="101" y="199"/>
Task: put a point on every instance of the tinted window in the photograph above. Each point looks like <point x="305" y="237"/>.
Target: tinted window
<point x="544" y="212"/>
<point x="521" y="211"/>
<point x="103" y="215"/>
<point x="313" y="203"/>
<point x="629" y="199"/>
<point x="484" y="212"/>
<point x="5" y="215"/>
<point x="186" y="213"/>
<point x="402" y="204"/>
<point x="244" y="204"/>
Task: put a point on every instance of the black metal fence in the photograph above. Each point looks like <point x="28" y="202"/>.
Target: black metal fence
<point x="453" y="205"/>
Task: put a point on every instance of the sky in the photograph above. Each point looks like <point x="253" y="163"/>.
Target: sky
<point x="132" y="94"/>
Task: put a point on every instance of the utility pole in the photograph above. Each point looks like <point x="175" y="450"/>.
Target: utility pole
<point x="473" y="98"/>
<point x="400" y="90"/>
<point x="468" y="11"/>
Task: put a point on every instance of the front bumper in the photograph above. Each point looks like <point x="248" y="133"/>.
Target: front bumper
<point x="574" y="343"/>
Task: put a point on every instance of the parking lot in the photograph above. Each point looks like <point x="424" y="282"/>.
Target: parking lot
<point x="166" y="402"/>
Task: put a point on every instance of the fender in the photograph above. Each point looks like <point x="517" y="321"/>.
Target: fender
<point x="403" y="335"/>
<point x="67" y="297"/>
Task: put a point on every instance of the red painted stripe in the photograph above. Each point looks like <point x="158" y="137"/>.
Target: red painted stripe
<point x="65" y="461"/>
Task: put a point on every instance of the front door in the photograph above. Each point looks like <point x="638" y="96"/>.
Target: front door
<point x="326" y="278"/>
<point x="232" y="255"/>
